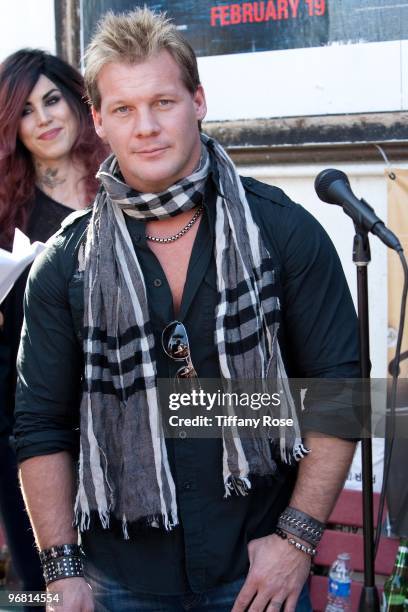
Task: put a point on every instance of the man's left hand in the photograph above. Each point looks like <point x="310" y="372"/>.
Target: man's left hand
<point x="276" y="576"/>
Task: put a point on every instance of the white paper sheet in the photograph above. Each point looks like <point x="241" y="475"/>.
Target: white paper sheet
<point x="13" y="264"/>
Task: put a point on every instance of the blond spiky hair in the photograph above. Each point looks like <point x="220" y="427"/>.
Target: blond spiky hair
<point x="133" y="37"/>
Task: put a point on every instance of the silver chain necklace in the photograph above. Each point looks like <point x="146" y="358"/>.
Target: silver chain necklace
<point x="179" y="234"/>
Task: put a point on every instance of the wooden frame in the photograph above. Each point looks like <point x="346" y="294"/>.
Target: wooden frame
<point x="299" y="140"/>
<point x="348" y="512"/>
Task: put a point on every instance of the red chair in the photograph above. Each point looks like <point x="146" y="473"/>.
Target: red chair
<point x="348" y="512"/>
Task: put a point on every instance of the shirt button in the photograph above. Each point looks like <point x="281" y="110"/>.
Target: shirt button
<point x="157" y="282"/>
<point x="137" y="238"/>
<point x="187" y="486"/>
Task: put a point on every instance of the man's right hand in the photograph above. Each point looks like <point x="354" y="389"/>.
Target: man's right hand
<point x="76" y="595"/>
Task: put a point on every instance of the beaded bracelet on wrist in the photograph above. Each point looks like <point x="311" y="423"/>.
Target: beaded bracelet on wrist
<point x="62" y="567"/>
<point x="308" y="550"/>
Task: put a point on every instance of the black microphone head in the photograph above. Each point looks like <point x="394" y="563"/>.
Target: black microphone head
<point x="325" y="179"/>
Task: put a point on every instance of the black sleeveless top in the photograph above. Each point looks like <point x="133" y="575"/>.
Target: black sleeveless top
<point x="44" y="220"/>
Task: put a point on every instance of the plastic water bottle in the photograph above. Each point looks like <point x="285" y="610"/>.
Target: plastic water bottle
<point x="339" y="595"/>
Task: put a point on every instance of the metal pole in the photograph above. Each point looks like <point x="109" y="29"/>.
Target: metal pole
<point x="369" y="600"/>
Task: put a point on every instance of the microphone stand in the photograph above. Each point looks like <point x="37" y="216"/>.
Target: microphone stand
<point x="369" y="600"/>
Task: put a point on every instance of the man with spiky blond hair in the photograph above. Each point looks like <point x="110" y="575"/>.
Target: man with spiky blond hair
<point x="181" y="268"/>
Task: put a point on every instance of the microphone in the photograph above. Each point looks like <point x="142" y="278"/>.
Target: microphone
<point x="332" y="186"/>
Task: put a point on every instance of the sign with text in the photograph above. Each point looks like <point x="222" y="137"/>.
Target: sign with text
<point x="218" y="28"/>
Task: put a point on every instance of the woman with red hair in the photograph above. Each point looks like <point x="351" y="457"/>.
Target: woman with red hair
<point x="49" y="155"/>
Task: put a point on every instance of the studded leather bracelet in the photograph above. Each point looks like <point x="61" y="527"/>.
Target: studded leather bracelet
<point x="63" y="567"/>
<point x="302" y="525"/>
<point x="60" y="562"/>
<point x="63" y="550"/>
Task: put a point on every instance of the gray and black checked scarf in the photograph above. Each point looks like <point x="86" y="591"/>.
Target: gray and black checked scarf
<point x="123" y="469"/>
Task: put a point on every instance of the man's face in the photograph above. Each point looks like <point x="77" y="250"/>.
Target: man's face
<point x="149" y="119"/>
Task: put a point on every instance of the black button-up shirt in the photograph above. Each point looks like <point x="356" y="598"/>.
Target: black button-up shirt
<point x="318" y="338"/>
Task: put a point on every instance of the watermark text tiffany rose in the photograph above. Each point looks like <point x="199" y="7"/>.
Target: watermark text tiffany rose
<point x="220" y="420"/>
<point x="201" y="409"/>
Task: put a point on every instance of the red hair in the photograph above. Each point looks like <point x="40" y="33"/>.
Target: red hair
<point x="18" y="75"/>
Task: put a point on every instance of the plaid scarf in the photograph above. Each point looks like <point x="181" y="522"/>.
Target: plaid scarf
<point x="123" y="467"/>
